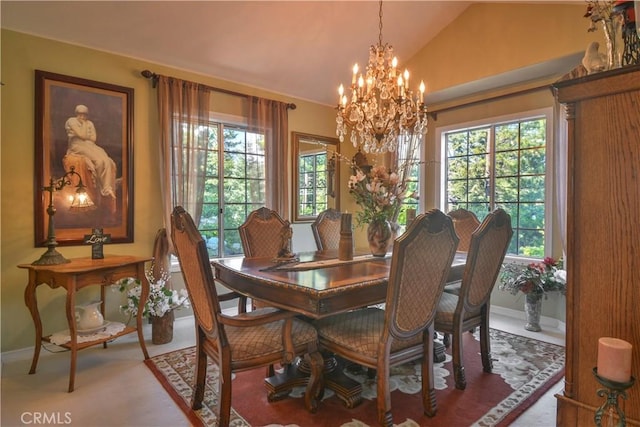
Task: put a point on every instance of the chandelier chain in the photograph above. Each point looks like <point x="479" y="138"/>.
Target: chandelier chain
<point x="380" y="25"/>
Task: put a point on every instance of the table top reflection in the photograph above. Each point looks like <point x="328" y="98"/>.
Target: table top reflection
<point x="315" y="284"/>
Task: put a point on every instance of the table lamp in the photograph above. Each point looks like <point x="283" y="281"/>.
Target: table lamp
<point x="81" y="200"/>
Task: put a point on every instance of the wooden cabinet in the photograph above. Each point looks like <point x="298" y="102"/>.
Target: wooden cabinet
<point x="603" y="233"/>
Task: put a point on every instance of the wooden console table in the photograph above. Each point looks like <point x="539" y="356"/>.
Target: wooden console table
<point x="73" y="276"/>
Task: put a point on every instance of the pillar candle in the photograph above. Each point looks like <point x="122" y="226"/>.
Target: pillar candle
<point x="614" y="359"/>
<point x="411" y="215"/>
<point x="345" y="223"/>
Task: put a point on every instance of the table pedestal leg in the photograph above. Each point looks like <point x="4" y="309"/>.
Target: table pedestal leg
<point x="297" y="375"/>
<point x="347" y="390"/>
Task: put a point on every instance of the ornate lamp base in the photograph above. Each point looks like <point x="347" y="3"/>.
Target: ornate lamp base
<point x="51" y="257"/>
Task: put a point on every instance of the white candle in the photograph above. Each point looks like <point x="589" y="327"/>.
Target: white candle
<point x="614" y="359"/>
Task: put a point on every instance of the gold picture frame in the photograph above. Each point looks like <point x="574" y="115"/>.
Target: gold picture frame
<point x="86" y="125"/>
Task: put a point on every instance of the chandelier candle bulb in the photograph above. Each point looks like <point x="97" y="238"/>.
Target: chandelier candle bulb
<point x="345" y="223"/>
<point x="614" y="359"/>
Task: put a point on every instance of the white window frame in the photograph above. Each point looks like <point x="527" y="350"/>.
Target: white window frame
<point x="549" y="199"/>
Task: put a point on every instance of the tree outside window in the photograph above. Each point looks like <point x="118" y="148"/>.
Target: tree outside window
<point x="234" y="186"/>
<point x="501" y="165"/>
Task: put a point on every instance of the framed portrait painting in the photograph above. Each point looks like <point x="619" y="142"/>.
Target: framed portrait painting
<point x="83" y="126"/>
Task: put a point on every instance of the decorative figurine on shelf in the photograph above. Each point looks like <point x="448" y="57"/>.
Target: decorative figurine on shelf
<point x="286" y="233"/>
<point x="97" y="239"/>
<point x="593" y="60"/>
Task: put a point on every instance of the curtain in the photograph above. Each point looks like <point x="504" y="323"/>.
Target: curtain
<point x="271" y="118"/>
<point x="183" y="110"/>
<point x="560" y="170"/>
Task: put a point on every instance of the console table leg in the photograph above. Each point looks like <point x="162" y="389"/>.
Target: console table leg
<point x="72" y="369"/>
<point x="73" y="342"/>
<point x="32" y="304"/>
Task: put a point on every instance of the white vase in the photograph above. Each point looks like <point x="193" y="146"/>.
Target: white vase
<point x="89" y="316"/>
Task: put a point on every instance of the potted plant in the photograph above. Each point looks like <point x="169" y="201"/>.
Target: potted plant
<point x="158" y="307"/>
<point x="534" y="280"/>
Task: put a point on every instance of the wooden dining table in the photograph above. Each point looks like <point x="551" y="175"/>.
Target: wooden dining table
<point x="316" y="285"/>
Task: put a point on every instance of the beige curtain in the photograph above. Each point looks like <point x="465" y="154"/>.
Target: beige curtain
<point x="183" y="110"/>
<point x="271" y="118"/>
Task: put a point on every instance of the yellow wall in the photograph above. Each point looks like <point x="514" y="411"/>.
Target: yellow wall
<point x="21" y="55"/>
<point x="487" y="39"/>
<point x="494" y="38"/>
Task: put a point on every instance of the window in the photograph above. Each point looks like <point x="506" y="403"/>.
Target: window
<point x="234" y="186"/>
<point x="503" y="164"/>
<point x="312" y="185"/>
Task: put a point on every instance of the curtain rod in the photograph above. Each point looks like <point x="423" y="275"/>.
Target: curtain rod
<point x="154" y="79"/>
<point x="434" y="114"/>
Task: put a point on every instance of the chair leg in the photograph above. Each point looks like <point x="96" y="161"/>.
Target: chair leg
<point x="485" y="346"/>
<point x="200" y="378"/>
<point x="224" y="416"/>
<point x="385" y="418"/>
<point x="458" y="367"/>
<point x="446" y="340"/>
<point x="428" y="391"/>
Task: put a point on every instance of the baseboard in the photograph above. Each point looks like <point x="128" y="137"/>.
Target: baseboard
<point x="27" y="352"/>
<point x="547" y="321"/>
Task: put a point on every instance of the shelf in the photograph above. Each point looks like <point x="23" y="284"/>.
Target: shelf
<point x="127" y="330"/>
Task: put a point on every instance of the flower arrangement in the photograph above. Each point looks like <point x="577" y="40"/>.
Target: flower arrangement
<point x="162" y="299"/>
<point x="598" y="11"/>
<point x="537" y="278"/>
<point x="379" y="193"/>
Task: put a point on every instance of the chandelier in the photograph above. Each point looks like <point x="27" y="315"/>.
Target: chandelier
<point x="382" y="108"/>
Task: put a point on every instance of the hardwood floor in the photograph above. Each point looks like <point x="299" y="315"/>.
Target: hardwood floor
<point x="114" y="387"/>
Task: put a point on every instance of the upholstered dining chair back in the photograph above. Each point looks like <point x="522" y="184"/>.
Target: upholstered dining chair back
<point x="420" y="265"/>
<point x="326" y="229"/>
<point x="469" y="307"/>
<point x="489" y="244"/>
<point x="465" y="223"/>
<point x="161" y="264"/>
<point x="193" y="257"/>
<point x="260" y="234"/>
<point x="403" y="331"/>
<point x="245" y="341"/>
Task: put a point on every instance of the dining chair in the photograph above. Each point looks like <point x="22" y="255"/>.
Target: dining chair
<point x="382" y="338"/>
<point x="260" y="234"/>
<point x="261" y="237"/>
<point x="457" y="313"/>
<point x="242" y="342"/>
<point x="464" y="223"/>
<point x="326" y="229"/>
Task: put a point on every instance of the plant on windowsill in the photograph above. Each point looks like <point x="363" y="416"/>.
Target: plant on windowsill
<point x="534" y="280"/>
<point x="159" y="306"/>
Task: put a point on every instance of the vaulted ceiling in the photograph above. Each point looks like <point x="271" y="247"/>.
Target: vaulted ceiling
<point x="304" y="49"/>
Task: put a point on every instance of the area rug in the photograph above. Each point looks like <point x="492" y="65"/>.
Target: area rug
<point x="523" y="370"/>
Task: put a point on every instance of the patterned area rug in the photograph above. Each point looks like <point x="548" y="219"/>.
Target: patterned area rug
<point x="523" y="370"/>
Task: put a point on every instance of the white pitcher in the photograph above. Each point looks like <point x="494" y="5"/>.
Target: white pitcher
<point x="89" y="316"/>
